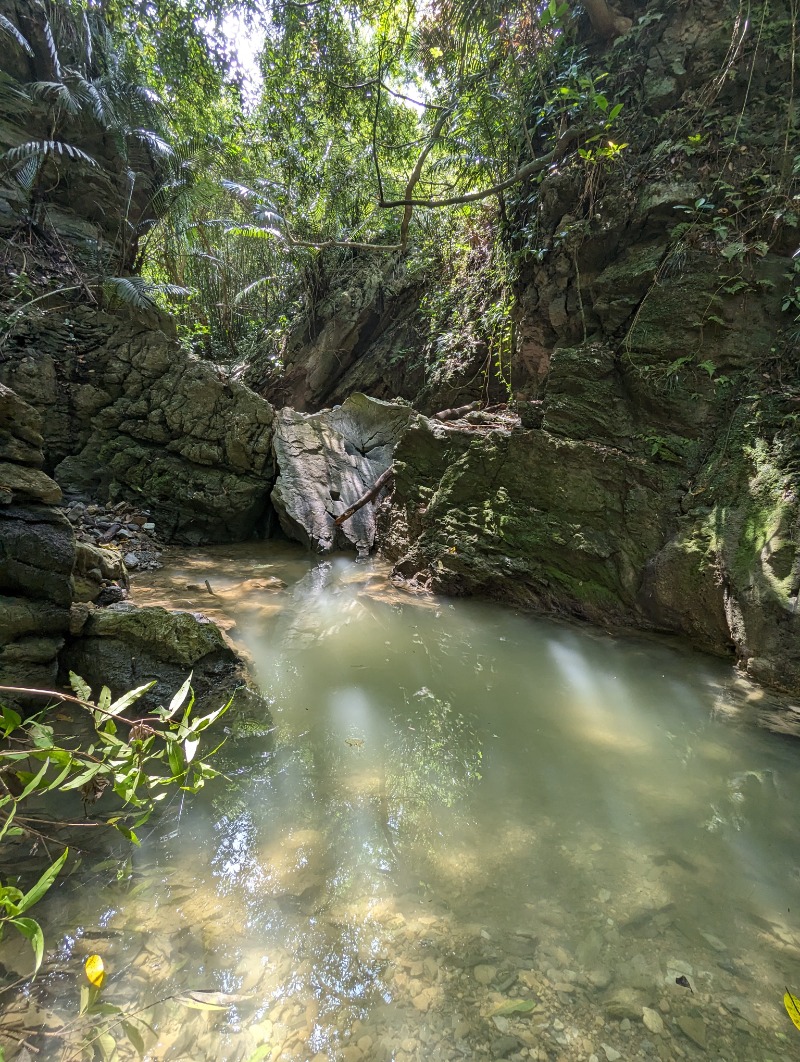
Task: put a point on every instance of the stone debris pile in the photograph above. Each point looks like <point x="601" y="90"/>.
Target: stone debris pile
<point x="111" y="541"/>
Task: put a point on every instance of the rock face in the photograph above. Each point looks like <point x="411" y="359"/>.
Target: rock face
<point x="548" y="522"/>
<point x="327" y="461"/>
<point x="356" y="337"/>
<point x="37" y="552"/>
<point x="128" y="414"/>
<point x="124" y="646"/>
<point x="656" y="480"/>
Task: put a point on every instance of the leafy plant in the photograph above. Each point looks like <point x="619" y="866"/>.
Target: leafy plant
<point x="130" y="763"/>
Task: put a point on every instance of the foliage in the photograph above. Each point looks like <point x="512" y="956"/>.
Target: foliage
<point x="130" y="763"/>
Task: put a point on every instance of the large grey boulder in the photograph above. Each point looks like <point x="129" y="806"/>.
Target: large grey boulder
<point x="327" y="461"/>
<point x="125" y="646"/>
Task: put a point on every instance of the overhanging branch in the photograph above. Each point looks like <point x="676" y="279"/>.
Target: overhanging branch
<point x="566" y="141"/>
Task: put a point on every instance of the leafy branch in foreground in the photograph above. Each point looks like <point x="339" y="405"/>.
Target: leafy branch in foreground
<point x="131" y="763"/>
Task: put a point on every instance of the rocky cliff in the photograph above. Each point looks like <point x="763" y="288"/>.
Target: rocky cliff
<point x="652" y="476"/>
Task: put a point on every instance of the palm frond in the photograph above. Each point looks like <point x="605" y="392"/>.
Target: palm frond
<point x="242" y="295"/>
<point x="254" y="232"/>
<point x="58" y="92"/>
<point x="52" y="48"/>
<point x="156" y="143"/>
<point x="8" y="26"/>
<point x="26" y="174"/>
<point x="43" y="148"/>
<point x="138" y="292"/>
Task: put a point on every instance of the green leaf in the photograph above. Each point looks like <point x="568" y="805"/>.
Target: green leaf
<point x="104" y="700"/>
<point x="126" y="832"/>
<point x="82" y="778"/>
<point x="108" y="1047"/>
<point x="514" y="1006"/>
<point x="59" y="778"/>
<point x="34" y="782"/>
<point x="177" y="701"/>
<point x="43" y="884"/>
<point x="32" y="931"/>
<point x="127" y="699"/>
<point x="5" y="827"/>
<point x="79" y="687"/>
<point x="135" y="1037"/>
<point x="11" y="720"/>
<point x="260" y="1053"/>
<point x="176" y="761"/>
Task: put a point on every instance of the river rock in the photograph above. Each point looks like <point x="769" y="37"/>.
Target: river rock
<point x="624" y="1003"/>
<point x="326" y="462"/>
<point x="124" y="646"/>
<point x="484" y="974"/>
<point x="694" y="1028"/>
<point x="653" y="1021"/>
<point x="95" y="568"/>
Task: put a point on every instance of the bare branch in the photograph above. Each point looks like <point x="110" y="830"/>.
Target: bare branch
<point x="373" y="491"/>
<point x="416" y="173"/>
<point x="521" y="174"/>
<point x="354" y="246"/>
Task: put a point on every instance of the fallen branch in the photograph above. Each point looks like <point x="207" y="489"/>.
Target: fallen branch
<point x="458" y="411"/>
<point x="374" y="490"/>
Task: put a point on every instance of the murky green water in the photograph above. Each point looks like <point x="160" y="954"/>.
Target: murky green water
<point x="466" y="834"/>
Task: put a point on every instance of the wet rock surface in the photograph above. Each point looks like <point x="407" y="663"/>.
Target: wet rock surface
<point x="327" y="461"/>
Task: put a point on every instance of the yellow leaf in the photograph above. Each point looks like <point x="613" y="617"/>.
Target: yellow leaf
<point x="792" y="1004"/>
<point x="95" y="971"/>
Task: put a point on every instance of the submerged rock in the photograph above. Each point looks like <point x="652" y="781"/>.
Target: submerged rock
<point x="327" y="461"/>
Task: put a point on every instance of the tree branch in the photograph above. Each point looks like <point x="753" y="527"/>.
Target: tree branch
<point x="529" y="170"/>
<point x="416" y="173"/>
<point x="351" y="244"/>
<point x="374" y="490"/>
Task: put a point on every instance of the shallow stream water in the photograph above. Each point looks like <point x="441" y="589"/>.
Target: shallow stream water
<point x="465" y="833"/>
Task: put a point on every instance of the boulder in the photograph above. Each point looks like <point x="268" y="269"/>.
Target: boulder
<point x="327" y="461"/>
<point x="128" y="414"/>
<point x="124" y="646"/>
<point x="95" y="566"/>
<point x="20" y="438"/>
<point x="544" y="521"/>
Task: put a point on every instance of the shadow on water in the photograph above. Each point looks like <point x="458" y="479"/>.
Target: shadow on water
<point x="465" y="833"/>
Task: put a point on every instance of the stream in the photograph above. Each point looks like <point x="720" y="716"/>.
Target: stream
<point x="465" y="833"/>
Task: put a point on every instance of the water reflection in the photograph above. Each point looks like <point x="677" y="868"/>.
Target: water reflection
<point x="464" y="833"/>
